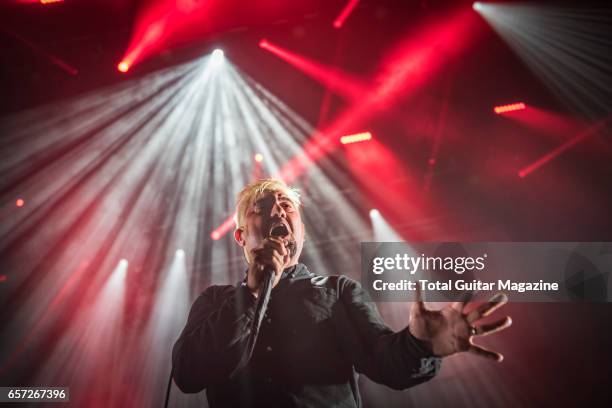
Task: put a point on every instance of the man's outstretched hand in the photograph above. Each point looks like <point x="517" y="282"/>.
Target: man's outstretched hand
<point x="451" y="330"/>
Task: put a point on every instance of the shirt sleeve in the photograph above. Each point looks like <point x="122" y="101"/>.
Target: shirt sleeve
<point x="211" y="344"/>
<point x="395" y="359"/>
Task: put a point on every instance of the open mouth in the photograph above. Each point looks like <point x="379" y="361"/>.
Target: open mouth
<point x="279" y="230"/>
<point x="282" y="231"/>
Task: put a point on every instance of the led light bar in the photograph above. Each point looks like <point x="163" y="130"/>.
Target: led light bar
<point x="509" y="108"/>
<point x="358" y="137"/>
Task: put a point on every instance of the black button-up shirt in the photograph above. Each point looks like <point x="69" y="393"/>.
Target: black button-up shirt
<point x="318" y="332"/>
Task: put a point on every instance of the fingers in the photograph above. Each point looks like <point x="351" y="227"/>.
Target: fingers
<point x="490" y="328"/>
<point x="419" y="306"/>
<point x="272" y="253"/>
<point x="483" y="352"/>
<point x="486" y="309"/>
<point x="268" y="256"/>
<point x="276" y="243"/>
<point x="463" y="300"/>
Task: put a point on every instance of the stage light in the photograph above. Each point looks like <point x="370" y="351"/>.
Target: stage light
<point x="224" y="228"/>
<point x="123" y="66"/>
<point x="170" y="309"/>
<point x="568" y="144"/>
<point x="89" y="337"/>
<point x="356" y="138"/>
<point x="50" y="1"/>
<point x="216" y="59"/>
<point x="509" y="108"/>
<point x="414" y="61"/>
<point x="339" y="21"/>
<point x="258" y="157"/>
<point x="338" y="82"/>
<point x="558" y="44"/>
<point x="163" y="24"/>
<point x="20" y="202"/>
<point x="477" y="6"/>
<point x="382" y="231"/>
<point x="218" y="56"/>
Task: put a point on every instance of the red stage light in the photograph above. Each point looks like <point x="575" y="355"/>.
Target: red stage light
<point x="590" y="131"/>
<point x="345" y="13"/>
<point x="50" y="1"/>
<point x="215" y="235"/>
<point x="509" y="108"/>
<point x="123" y="66"/>
<point x="335" y="80"/>
<point x="20" y="202"/>
<point x="358" y="137"/>
<point x="258" y="157"/>
<point x="3" y="278"/>
<point x="162" y="25"/>
<point x="414" y="61"/>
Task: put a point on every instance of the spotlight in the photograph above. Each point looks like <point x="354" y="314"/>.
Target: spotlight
<point x="339" y="21"/>
<point x="258" y="157"/>
<point x="374" y="213"/>
<point x="20" y="202"/>
<point x="180" y="253"/>
<point x="123" y="66"/>
<point x="477" y="6"/>
<point x="215" y="235"/>
<point x="50" y="1"/>
<point x="217" y="58"/>
<point x="509" y="108"/>
<point x="358" y="137"/>
<point x="546" y="39"/>
<point x="217" y="54"/>
<point x="263" y="43"/>
<point x="123" y="263"/>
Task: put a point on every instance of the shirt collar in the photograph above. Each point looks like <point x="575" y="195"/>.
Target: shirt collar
<point x="296" y="271"/>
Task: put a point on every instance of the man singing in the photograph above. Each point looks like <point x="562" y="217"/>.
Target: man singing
<point x="317" y="332"/>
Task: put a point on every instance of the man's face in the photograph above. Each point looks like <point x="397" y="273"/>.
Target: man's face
<point x="271" y="214"/>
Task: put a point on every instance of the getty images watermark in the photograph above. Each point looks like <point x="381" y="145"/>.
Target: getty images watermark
<point x="525" y="271"/>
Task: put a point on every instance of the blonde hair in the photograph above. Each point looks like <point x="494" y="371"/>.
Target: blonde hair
<point x="253" y="192"/>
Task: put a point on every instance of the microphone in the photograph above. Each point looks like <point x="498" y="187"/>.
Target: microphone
<point x="268" y="270"/>
<point x="265" y="291"/>
<point x="269" y="275"/>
